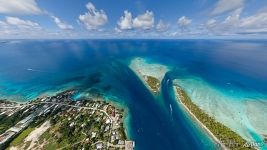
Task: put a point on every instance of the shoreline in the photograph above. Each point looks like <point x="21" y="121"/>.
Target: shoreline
<point x="199" y="122"/>
<point x="117" y="116"/>
<point x="151" y="74"/>
<point x="240" y="112"/>
<point x="20" y="99"/>
<point x="219" y="133"/>
<point x="142" y="76"/>
<point x="107" y="99"/>
<point x="223" y="135"/>
<point x="126" y="115"/>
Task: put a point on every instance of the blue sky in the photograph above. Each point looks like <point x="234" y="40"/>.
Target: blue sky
<point x="133" y="19"/>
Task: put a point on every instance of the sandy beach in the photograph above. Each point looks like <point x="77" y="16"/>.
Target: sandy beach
<point x="242" y="115"/>
<point x="142" y="69"/>
<point x="216" y="140"/>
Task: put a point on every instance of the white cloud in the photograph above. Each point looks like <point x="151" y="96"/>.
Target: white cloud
<point x="254" y="31"/>
<point x="233" y="18"/>
<point x="223" y="6"/>
<point x="125" y="21"/>
<point x="117" y="30"/>
<point x="19" y="7"/>
<point x="211" y="23"/>
<point x="61" y="24"/>
<point x="256" y="21"/>
<point x="227" y="26"/>
<point x="94" y="18"/>
<point x="14" y="27"/>
<point x="3" y="24"/>
<point x="22" y="24"/>
<point x="254" y="24"/>
<point x="144" y="21"/>
<point x="184" y="22"/>
<point x="161" y="26"/>
<point x="234" y="24"/>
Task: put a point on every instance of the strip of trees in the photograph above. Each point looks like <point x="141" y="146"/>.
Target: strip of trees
<point x="227" y="137"/>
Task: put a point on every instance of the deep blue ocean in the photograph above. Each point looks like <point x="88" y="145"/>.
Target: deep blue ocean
<point x="30" y="68"/>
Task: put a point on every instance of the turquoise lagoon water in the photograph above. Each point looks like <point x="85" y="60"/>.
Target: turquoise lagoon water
<point x="223" y="72"/>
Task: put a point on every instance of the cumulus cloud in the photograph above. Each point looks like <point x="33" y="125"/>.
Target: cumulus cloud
<point x="126" y="21"/>
<point x="161" y="26"/>
<point x="227" y="26"/>
<point x="22" y="24"/>
<point x="144" y="21"/>
<point x="234" y="24"/>
<point x="61" y="24"/>
<point x="94" y="18"/>
<point x="233" y="17"/>
<point x="223" y="6"/>
<point x="19" y="7"/>
<point x="3" y="24"/>
<point x="184" y="21"/>
<point x="254" y="24"/>
<point x="211" y="23"/>
<point x="14" y="27"/>
<point x="256" y="21"/>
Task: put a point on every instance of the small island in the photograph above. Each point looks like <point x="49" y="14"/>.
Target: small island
<point x="59" y="122"/>
<point x="224" y="136"/>
<point x="150" y="73"/>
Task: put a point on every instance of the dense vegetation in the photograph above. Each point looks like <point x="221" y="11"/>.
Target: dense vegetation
<point x="228" y="137"/>
<point x="154" y="83"/>
<point x="76" y="133"/>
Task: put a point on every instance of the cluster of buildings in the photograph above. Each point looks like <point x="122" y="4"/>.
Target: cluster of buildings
<point x="9" y="108"/>
<point x="117" y="131"/>
<point x="34" y="109"/>
<point x="107" y="132"/>
<point x="108" y="118"/>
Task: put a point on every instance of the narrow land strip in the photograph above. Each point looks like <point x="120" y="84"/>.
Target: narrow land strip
<point x="224" y="136"/>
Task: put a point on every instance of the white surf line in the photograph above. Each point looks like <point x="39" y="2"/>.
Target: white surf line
<point x="221" y="144"/>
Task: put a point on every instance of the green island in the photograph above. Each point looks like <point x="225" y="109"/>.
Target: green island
<point x="153" y="83"/>
<point x="59" y="122"/>
<point x="225" y="135"/>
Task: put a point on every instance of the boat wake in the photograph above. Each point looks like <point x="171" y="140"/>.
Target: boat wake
<point x="171" y="110"/>
<point x="36" y="70"/>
